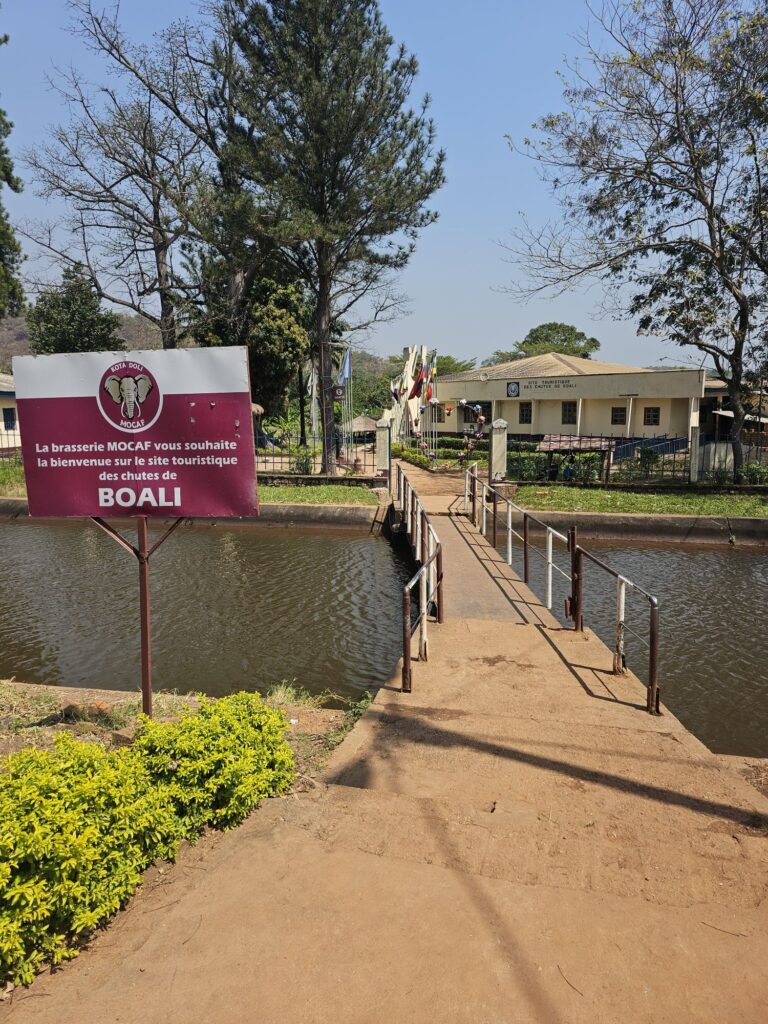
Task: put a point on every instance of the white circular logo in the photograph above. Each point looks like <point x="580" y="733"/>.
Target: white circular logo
<point x="128" y="397"/>
<point x="513" y="389"/>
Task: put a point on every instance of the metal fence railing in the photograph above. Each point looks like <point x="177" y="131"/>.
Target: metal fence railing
<point x="287" y="453"/>
<point x="428" y="552"/>
<point x="482" y="501"/>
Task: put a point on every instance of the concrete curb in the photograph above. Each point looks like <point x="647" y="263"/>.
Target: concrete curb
<point x="368" y="517"/>
<point x="681" y="529"/>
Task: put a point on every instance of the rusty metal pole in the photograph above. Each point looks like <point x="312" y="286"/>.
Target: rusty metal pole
<point x="526" y="558"/>
<point x="653" y="667"/>
<point x="424" y="538"/>
<point x="144" y="612"/>
<point x="413" y="522"/>
<point x="579" y="618"/>
<point x="495" y="515"/>
<point x="474" y="500"/>
<point x="406" y="678"/>
<point x="440" y="605"/>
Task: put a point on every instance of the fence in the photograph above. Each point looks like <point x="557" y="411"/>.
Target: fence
<point x="428" y="551"/>
<point x="476" y="502"/>
<point x="353" y="453"/>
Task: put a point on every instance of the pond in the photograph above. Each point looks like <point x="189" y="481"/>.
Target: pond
<point x="233" y="607"/>
<point x="713" y="641"/>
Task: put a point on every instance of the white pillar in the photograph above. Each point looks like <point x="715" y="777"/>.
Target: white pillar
<point x="579" y="403"/>
<point x="383" y="447"/>
<point x="497" y="451"/>
<point x="630" y="404"/>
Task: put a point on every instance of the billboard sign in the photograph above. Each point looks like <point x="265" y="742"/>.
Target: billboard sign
<point x="153" y="433"/>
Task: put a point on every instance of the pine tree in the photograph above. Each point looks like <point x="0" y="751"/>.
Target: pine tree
<point x="69" y="318"/>
<point x="344" y="164"/>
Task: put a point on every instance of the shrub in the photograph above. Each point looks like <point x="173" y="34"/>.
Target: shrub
<point x="220" y="761"/>
<point x="79" y="824"/>
<point x="754" y="473"/>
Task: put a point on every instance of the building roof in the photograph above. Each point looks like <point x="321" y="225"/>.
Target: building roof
<point x="551" y="364"/>
<point x="6" y="383"/>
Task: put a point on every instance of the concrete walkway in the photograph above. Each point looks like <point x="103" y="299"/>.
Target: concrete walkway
<point x="515" y="841"/>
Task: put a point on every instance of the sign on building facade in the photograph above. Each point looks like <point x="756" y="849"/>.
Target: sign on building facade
<point x="151" y="433"/>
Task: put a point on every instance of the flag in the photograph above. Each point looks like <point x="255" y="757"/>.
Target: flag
<point x="346" y="368"/>
<point x="418" y="384"/>
<point x="432" y="377"/>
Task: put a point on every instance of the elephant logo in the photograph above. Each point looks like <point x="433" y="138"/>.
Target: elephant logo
<point x="128" y="392"/>
<point x="128" y="397"/>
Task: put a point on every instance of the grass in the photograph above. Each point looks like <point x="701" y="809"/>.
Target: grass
<point x="317" y="494"/>
<point x="12" y="481"/>
<point x="574" y="499"/>
<point x="12" y="486"/>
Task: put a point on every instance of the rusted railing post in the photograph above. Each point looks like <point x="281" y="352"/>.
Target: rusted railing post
<point x="406" y="679"/>
<point x="495" y="514"/>
<point x="474" y="500"/>
<point x="526" y="557"/>
<point x="579" y="619"/>
<point x="440" y="604"/>
<point x="424" y="538"/>
<point x="653" y="661"/>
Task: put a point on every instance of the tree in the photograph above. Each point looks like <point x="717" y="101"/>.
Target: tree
<point x="337" y="152"/>
<point x="193" y="74"/>
<point x="274" y="329"/>
<point x="126" y="167"/>
<point x="11" y="292"/>
<point x="449" y="364"/>
<point x="552" y="337"/>
<point x="658" y="162"/>
<point x="69" y="318"/>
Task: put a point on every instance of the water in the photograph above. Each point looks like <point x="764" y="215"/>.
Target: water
<point x="713" y="643"/>
<point x="232" y="608"/>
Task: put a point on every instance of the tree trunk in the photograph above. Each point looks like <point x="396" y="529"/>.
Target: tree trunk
<point x="739" y="414"/>
<point x="302" y="410"/>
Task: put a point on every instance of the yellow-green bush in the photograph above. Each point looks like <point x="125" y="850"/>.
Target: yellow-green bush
<point x="79" y="824"/>
<point x="220" y="761"/>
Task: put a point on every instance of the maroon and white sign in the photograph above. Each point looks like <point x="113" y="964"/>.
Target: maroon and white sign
<point x="153" y="433"/>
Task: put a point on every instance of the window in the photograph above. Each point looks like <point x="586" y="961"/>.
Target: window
<point x="471" y="414"/>
<point x="651" y="416"/>
<point x="438" y="414"/>
<point x="619" y="416"/>
<point x="525" y="412"/>
<point x="9" y="419"/>
<point x="569" y="413"/>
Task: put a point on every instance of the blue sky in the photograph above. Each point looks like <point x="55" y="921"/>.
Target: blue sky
<point x="490" y="68"/>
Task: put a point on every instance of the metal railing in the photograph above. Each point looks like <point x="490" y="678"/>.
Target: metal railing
<point x="428" y="551"/>
<point x="476" y="504"/>
<point x="291" y="454"/>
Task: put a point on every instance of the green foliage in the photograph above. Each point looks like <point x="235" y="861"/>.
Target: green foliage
<point x="272" y="324"/>
<point x="348" y="165"/>
<point x="449" y="364"/>
<point x="599" y="499"/>
<point x="755" y="474"/>
<point x="79" y="824"/>
<point x="551" y="337"/>
<point x="220" y="761"/>
<point x="69" y="318"/>
<point x="577" y="467"/>
<point x="11" y="292"/>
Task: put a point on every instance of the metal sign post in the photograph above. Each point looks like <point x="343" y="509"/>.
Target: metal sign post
<point x="142" y="553"/>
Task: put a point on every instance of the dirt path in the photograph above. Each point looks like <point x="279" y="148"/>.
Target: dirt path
<point x="515" y="841"/>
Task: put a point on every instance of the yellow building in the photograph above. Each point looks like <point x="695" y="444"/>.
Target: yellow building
<point x="9" y="419"/>
<point x="557" y="394"/>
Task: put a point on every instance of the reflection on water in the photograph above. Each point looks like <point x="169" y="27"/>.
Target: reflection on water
<point x="714" y="645"/>
<point x="232" y="608"/>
